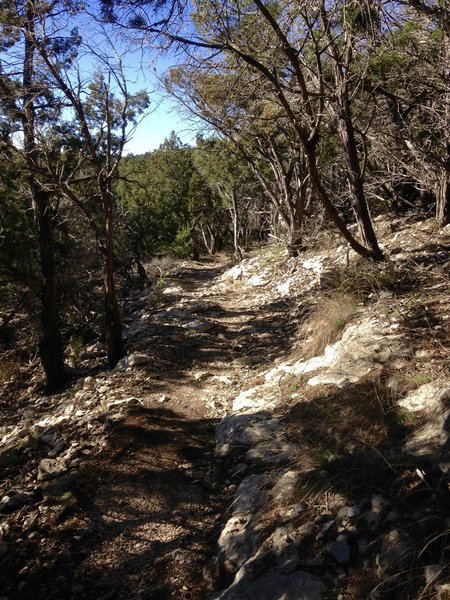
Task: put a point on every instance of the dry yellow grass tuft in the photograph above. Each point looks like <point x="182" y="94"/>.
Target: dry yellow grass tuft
<point x="8" y="368"/>
<point x="407" y="380"/>
<point x="327" y="321"/>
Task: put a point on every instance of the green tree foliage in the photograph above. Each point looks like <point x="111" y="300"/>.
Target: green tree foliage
<point x="73" y="131"/>
<point x="166" y="205"/>
<point x="408" y="75"/>
<point x="296" y="52"/>
<point x="229" y="177"/>
<point x="208" y="216"/>
<point x="18" y="266"/>
<point x="370" y="77"/>
<point x="317" y="108"/>
<point x="153" y="198"/>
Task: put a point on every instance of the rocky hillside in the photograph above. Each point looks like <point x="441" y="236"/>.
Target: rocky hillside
<point x="278" y="429"/>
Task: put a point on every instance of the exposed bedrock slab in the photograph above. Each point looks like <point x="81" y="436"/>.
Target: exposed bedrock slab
<point x="240" y="432"/>
<point x="363" y="347"/>
<point x="431" y="440"/>
<point x="277" y="586"/>
<point x="135" y="359"/>
<point x="237" y="543"/>
<point x="250" y="495"/>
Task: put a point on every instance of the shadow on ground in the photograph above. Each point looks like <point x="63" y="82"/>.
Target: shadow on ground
<point x="140" y="520"/>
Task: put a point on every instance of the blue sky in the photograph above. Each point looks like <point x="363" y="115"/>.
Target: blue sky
<point x="144" y="70"/>
<point x="157" y="126"/>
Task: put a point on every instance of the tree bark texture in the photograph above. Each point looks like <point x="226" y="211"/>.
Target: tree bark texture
<point x="235" y="217"/>
<point x="209" y="239"/>
<point x="443" y="192"/>
<point x="316" y="184"/>
<point x="51" y="349"/>
<point x="355" y="181"/>
<point x="114" y="341"/>
<point x="50" y="346"/>
<point x="443" y="195"/>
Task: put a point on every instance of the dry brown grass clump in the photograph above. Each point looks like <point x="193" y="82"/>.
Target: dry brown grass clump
<point x="407" y="380"/>
<point x="8" y="368"/>
<point x="365" y="277"/>
<point x="160" y="268"/>
<point x="327" y="322"/>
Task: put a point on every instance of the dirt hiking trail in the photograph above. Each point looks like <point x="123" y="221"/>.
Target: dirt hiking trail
<point x="143" y="517"/>
<point x="277" y="429"/>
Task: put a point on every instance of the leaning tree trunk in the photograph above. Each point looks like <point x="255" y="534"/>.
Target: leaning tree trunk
<point x="235" y="218"/>
<point x="342" y="59"/>
<point x="294" y="241"/>
<point x="292" y="224"/>
<point x="194" y="246"/>
<point x="211" y="243"/>
<point x="114" y="340"/>
<point x="297" y="213"/>
<point x="443" y="195"/>
<point x="316" y="185"/>
<point x="355" y="181"/>
<point x="290" y="213"/>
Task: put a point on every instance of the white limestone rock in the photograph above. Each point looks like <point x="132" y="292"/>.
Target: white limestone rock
<point x="135" y="359"/>
<point x="50" y="468"/>
<point x="95" y="349"/>
<point x="429" y="440"/>
<point x="428" y="397"/>
<point x="250" y="495"/>
<point x="174" y="290"/>
<point x="363" y="347"/>
<point x="315" y="264"/>
<point x="277" y="586"/>
<point x="199" y="326"/>
<point x="285" y="486"/>
<point x="271" y="454"/>
<point x="284" y="288"/>
<point x="253" y="400"/>
<point x="224" y="379"/>
<point x="235" y="273"/>
<point x="241" y="432"/>
<point x="236" y="542"/>
<point x="89" y="383"/>
<point x="257" y="281"/>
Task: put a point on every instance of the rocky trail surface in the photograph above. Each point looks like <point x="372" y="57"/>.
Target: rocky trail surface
<point x="239" y="453"/>
<point x="112" y="490"/>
